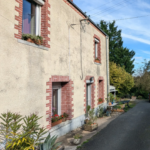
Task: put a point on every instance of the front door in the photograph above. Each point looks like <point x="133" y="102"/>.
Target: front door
<point x="55" y="102"/>
<point x="88" y="96"/>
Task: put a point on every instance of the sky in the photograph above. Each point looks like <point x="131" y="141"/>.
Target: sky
<point x="135" y="32"/>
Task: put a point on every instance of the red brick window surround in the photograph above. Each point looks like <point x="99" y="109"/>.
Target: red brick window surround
<point x="97" y="49"/>
<point x="100" y="87"/>
<point x="44" y="21"/>
<point x="92" y="93"/>
<point x="66" y="97"/>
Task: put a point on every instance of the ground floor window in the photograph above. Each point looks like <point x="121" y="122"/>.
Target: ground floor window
<point x="55" y="102"/>
<point x="56" y="99"/>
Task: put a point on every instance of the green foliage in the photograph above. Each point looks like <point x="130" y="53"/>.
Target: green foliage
<point x="100" y="111"/>
<point x="111" y="96"/>
<point x="141" y="79"/>
<point x="100" y="100"/>
<point x="88" y="108"/>
<point x="33" y="37"/>
<point x="77" y="136"/>
<point x="65" y="115"/>
<point x="21" y="136"/>
<point x="50" y="143"/>
<point x="122" y="80"/>
<point x="92" y="117"/>
<point x="116" y="49"/>
<point x="139" y="97"/>
<point x="131" y="104"/>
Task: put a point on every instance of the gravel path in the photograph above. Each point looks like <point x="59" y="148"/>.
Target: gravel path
<point x="130" y="131"/>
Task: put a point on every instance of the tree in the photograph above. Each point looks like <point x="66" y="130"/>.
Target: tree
<point x="116" y="49"/>
<point x="121" y="79"/>
<point x="142" y="80"/>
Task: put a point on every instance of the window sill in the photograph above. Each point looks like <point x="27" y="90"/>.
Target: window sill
<point x="60" y="125"/>
<point x="97" y="63"/>
<point x="100" y="103"/>
<point x="32" y="44"/>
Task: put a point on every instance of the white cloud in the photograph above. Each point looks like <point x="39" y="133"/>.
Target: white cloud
<point x="135" y="38"/>
<point x="146" y="52"/>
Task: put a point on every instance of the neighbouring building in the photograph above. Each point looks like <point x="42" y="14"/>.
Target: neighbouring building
<point x="66" y="73"/>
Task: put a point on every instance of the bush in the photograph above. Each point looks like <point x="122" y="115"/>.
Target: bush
<point x="139" y="97"/>
<point x="16" y="135"/>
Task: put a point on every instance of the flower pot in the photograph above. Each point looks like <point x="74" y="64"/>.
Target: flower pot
<point x="64" y="119"/>
<point x="97" y="61"/>
<point x="122" y="106"/>
<point x="109" y="103"/>
<point x="112" y="102"/>
<point x="91" y="127"/>
<point x="100" y="102"/>
<point x="30" y="40"/>
<point x="56" y="123"/>
<point x="133" y="97"/>
<point x="119" y="110"/>
<point x="38" y="42"/>
<point x="76" y="141"/>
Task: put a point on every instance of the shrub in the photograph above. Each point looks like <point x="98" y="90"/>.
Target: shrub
<point x="20" y="133"/>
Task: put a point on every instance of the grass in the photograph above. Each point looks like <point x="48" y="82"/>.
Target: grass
<point x="131" y="104"/>
<point x="79" y="147"/>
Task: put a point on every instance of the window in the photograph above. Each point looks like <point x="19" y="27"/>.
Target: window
<point x="96" y="48"/>
<point x="55" y="102"/>
<point x="56" y="99"/>
<point x="31" y="18"/>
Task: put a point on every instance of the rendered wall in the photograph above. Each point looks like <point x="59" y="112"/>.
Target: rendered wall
<point x="24" y="69"/>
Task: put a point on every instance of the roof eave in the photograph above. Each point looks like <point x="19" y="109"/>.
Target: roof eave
<point x="87" y="17"/>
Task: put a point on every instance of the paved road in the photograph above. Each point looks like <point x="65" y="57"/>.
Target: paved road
<point x="130" y="131"/>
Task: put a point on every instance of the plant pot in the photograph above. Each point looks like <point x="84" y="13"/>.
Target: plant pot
<point x="56" y="123"/>
<point x="97" y="61"/>
<point x="133" y="97"/>
<point x="86" y="121"/>
<point x="64" y="119"/>
<point x="38" y="42"/>
<point x="90" y="127"/>
<point x="119" y="110"/>
<point x="76" y="141"/>
<point x="100" y="102"/>
<point x="112" y="102"/>
<point x="30" y="40"/>
<point x="109" y="103"/>
<point x="122" y="106"/>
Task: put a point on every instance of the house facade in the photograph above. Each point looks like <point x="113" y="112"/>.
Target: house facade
<point x="68" y="72"/>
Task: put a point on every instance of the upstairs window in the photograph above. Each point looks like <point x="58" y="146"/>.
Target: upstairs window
<point x="31" y="18"/>
<point x="96" y="48"/>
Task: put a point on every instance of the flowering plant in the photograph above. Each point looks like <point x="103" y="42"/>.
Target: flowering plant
<point x="65" y="115"/>
<point x="56" y="117"/>
<point x="96" y="58"/>
<point x="100" y="100"/>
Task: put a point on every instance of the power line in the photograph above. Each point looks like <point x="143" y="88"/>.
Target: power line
<point x="109" y="11"/>
<point x="98" y="7"/>
<point x="109" y="8"/>
<point x="129" y="18"/>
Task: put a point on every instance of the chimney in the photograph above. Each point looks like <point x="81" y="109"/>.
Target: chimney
<point x="72" y="0"/>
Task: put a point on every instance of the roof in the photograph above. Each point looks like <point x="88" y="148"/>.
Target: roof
<point x="86" y="17"/>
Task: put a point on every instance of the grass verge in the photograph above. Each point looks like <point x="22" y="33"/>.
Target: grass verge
<point x="131" y="104"/>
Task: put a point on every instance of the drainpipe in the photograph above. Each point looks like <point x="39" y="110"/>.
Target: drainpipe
<point x="69" y="49"/>
<point x="107" y="67"/>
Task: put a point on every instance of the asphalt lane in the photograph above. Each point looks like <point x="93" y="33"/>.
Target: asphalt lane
<point x="130" y="131"/>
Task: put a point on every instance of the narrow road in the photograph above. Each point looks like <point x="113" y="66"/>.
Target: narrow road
<point x="130" y="131"/>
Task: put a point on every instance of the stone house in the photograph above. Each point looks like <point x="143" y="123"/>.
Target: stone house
<point x="68" y="72"/>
